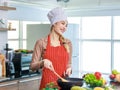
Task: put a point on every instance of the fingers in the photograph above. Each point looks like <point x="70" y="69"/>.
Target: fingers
<point x="51" y="67"/>
<point x="48" y="64"/>
<point x="68" y="72"/>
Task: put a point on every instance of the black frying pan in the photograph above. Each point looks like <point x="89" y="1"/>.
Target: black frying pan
<point x="71" y="82"/>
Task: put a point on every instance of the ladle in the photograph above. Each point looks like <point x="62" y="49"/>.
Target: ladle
<point x="64" y="80"/>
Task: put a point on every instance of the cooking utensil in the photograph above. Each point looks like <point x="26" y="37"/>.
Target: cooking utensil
<point x="64" y="80"/>
<point x="71" y="82"/>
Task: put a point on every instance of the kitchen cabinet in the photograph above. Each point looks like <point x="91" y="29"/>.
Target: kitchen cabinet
<point x="10" y="85"/>
<point x="29" y="83"/>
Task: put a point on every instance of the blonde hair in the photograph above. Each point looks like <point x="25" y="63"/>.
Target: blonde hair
<point x="63" y="40"/>
<point x="65" y="44"/>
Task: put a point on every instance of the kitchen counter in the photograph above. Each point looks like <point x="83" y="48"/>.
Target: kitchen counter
<point x="30" y="82"/>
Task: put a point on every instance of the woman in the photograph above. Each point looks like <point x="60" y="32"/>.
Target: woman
<point x="53" y="53"/>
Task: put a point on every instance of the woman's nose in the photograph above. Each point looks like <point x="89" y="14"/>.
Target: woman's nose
<point x="64" y="28"/>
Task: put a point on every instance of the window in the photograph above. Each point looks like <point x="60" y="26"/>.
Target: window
<point x="13" y="36"/>
<point x="96" y="44"/>
<point x="116" y="23"/>
<point x="96" y="27"/>
<point x="17" y="39"/>
<point x="96" y="56"/>
<point x="116" y="42"/>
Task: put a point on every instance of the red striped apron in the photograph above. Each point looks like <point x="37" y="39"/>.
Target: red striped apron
<point x="59" y="58"/>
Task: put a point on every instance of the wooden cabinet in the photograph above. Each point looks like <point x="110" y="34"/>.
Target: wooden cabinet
<point x="10" y="85"/>
<point x="31" y="83"/>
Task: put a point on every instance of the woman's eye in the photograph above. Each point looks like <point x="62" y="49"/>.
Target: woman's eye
<point x="63" y="23"/>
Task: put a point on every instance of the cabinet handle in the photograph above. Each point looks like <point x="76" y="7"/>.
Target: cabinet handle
<point x="29" y="80"/>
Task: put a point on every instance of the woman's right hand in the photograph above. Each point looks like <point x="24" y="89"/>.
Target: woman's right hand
<point x="48" y="64"/>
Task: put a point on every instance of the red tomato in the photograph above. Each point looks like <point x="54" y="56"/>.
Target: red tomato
<point x="97" y="75"/>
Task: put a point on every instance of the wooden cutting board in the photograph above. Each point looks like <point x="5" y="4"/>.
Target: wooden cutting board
<point x="2" y="60"/>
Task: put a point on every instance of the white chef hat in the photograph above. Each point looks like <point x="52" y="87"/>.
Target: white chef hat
<point x="57" y="14"/>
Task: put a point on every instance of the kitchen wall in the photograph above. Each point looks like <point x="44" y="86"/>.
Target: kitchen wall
<point x="3" y="34"/>
<point x="3" y="39"/>
<point x="28" y="13"/>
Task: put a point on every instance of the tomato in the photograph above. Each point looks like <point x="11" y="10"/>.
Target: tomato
<point x="97" y="75"/>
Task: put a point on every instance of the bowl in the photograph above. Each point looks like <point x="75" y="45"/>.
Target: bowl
<point x="71" y="82"/>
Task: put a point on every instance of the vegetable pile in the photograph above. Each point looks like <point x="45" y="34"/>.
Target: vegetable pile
<point x="94" y="79"/>
<point x="51" y="86"/>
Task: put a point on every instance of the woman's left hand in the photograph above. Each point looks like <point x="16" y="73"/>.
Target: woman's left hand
<point x="68" y="71"/>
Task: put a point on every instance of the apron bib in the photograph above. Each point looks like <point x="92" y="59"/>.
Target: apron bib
<point x="59" y="58"/>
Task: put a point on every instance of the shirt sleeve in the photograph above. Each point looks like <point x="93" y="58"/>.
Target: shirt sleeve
<point x="36" y="57"/>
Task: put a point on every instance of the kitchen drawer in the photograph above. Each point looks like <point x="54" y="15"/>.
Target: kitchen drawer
<point x="10" y="85"/>
<point x="29" y="83"/>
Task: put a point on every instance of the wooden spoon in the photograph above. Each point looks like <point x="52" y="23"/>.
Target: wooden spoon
<point x="64" y="80"/>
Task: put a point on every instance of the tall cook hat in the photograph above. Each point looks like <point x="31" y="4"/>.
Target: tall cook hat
<point x="56" y="15"/>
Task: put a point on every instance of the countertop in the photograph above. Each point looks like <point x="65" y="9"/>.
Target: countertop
<point x="28" y="82"/>
<point x="3" y="79"/>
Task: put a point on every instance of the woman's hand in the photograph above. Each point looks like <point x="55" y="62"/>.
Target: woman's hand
<point x="48" y="64"/>
<point x="68" y="71"/>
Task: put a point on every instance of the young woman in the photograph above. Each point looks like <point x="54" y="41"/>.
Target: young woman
<point x="53" y="53"/>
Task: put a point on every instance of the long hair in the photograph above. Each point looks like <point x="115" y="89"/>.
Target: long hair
<point x="65" y="44"/>
<point x="63" y="41"/>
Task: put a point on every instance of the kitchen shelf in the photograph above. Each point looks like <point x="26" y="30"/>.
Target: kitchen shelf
<point x="6" y="29"/>
<point x="7" y="8"/>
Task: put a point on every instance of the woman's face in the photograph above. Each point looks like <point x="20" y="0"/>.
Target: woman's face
<point x="60" y="27"/>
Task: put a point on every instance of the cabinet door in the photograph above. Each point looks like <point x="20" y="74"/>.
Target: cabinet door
<point x="29" y="84"/>
<point x="10" y="85"/>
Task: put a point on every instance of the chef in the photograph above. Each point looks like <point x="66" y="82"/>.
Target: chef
<point x="53" y="52"/>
